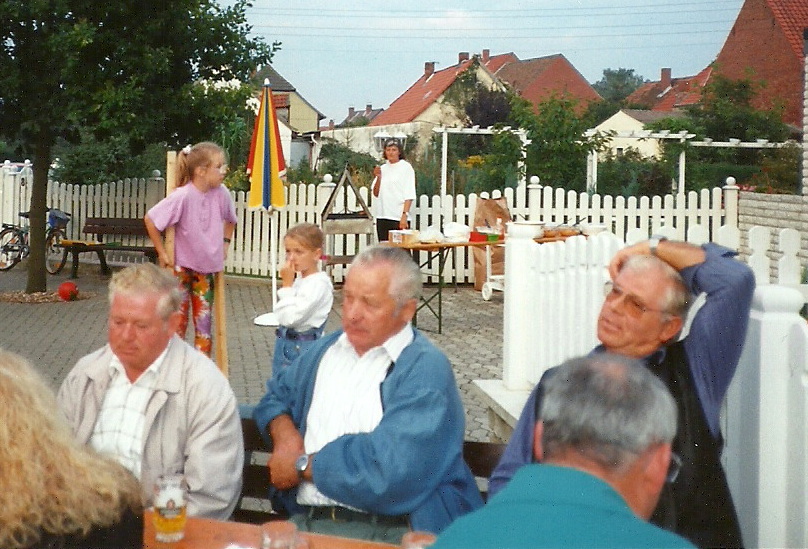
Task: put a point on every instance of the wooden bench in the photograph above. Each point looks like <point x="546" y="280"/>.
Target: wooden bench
<point x="103" y="227"/>
<point x="254" y="506"/>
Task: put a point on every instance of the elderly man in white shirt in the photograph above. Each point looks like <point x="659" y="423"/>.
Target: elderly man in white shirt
<point x="367" y="426"/>
<point x="155" y="403"/>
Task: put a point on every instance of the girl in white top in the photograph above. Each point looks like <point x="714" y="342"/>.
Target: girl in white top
<point x="303" y="301"/>
<point x="393" y="190"/>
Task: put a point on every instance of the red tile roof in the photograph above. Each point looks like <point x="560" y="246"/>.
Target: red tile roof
<point x="792" y="16"/>
<point x="681" y="92"/>
<point x="538" y="79"/>
<point x="429" y="88"/>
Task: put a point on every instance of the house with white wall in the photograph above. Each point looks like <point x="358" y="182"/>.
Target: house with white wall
<point x="628" y="127"/>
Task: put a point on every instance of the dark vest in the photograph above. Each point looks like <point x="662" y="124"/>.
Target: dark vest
<point x="698" y="505"/>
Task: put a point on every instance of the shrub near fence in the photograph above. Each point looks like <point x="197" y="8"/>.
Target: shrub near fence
<point x="250" y="252"/>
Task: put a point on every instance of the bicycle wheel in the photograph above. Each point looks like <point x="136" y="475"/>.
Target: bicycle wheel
<point x="11" y="245"/>
<point x="55" y="253"/>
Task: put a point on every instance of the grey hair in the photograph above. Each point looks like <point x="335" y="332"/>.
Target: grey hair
<point x="405" y="282"/>
<point x="606" y="407"/>
<point x="676" y="297"/>
<point x="148" y="278"/>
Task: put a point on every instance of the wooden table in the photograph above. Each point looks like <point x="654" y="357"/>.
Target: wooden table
<point x="439" y="251"/>
<point x="215" y="534"/>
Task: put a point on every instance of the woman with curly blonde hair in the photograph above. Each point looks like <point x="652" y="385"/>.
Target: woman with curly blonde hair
<point x="57" y="494"/>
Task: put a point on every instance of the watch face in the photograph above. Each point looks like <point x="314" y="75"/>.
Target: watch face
<point x="302" y="463"/>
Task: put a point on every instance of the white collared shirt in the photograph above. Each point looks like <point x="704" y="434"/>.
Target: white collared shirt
<point x="347" y="398"/>
<point x="118" y="432"/>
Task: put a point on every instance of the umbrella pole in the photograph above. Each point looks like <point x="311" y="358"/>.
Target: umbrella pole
<point x="273" y="257"/>
<point x="220" y="323"/>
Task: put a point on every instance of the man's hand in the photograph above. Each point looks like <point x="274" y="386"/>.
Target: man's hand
<point x="377" y="173"/>
<point x="287" y="446"/>
<point x="282" y="472"/>
<point x="678" y="255"/>
<point x="641" y="248"/>
<point x="404" y="222"/>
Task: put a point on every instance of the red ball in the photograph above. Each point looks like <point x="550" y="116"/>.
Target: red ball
<point x="68" y="291"/>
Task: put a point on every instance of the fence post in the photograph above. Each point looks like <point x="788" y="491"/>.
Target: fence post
<point x="519" y="300"/>
<point x="765" y="453"/>
<point x="731" y="195"/>
<point x="534" y="199"/>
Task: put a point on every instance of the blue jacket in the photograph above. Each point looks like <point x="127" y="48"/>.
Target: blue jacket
<point x="713" y="348"/>
<point x="412" y="462"/>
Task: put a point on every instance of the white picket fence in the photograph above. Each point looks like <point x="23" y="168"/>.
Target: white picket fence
<point x="553" y="293"/>
<point x="250" y="253"/>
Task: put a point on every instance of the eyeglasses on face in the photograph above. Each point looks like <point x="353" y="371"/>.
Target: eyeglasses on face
<point x="632" y="304"/>
<point x="673" y="468"/>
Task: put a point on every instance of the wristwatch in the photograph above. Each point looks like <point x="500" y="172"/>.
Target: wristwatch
<point x="301" y="464"/>
<point x="653" y="242"/>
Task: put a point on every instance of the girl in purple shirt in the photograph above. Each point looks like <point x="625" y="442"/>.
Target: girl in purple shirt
<point x="204" y="217"/>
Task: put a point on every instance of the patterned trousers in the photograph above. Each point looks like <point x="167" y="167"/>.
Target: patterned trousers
<point x="198" y="290"/>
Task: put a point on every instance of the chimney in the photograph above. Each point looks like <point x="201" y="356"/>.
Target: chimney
<point x="368" y="109"/>
<point x="665" y="78"/>
<point x="429" y="68"/>
<point x="486" y="55"/>
<point x="331" y="124"/>
<point x="462" y="56"/>
<point x="351" y="112"/>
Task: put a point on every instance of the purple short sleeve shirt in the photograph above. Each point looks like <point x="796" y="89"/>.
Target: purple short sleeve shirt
<point x="198" y="219"/>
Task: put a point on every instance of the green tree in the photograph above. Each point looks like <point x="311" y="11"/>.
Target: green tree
<point x="102" y="69"/>
<point x="558" y="148"/>
<point x="617" y="84"/>
<point x="724" y="113"/>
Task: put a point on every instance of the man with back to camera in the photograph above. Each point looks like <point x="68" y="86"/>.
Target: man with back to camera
<point x="643" y="313"/>
<point x="155" y="403"/>
<point x="367" y="426"/>
<point x="604" y="442"/>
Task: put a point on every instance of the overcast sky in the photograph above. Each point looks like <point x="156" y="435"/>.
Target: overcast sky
<point x="340" y="54"/>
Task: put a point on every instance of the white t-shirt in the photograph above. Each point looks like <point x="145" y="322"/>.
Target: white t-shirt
<point x="307" y="303"/>
<point x="398" y="186"/>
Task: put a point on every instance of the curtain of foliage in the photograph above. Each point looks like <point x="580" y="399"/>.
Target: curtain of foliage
<point x="73" y="67"/>
<point x="558" y="150"/>
<point x="335" y="157"/>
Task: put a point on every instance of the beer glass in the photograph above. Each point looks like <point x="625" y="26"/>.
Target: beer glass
<point x="170" y="502"/>
<point x="279" y="534"/>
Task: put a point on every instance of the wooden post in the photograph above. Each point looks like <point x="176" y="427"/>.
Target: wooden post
<point x="171" y="184"/>
<point x="220" y="324"/>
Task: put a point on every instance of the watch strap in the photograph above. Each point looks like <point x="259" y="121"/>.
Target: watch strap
<point x="653" y="243"/>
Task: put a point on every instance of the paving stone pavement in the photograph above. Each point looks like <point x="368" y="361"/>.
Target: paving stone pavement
<point x="55" y="335"/>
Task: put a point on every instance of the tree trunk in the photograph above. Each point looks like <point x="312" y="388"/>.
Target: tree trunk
<point x="36" y="260"/>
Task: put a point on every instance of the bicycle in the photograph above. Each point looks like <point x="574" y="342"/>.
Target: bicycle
<point x="14" y="242"/>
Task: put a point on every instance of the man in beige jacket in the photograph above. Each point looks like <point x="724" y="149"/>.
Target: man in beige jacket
<point x="153" y="402"/>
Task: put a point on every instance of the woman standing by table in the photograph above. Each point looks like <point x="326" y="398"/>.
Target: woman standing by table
<point x="393" y="190"/>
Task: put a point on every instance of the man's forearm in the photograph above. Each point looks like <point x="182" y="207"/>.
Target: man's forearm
<point x="679" y="255"/>
<point x="284" y="434"/>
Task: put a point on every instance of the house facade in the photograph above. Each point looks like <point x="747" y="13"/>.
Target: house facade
<point x="423" y="105"/>
<point x="628" y="126"/>
<point x="765" y="44"/>
<point x="291" y="107"/>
